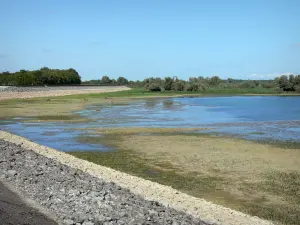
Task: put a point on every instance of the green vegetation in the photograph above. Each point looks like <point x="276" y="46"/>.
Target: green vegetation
<point x="164" y="173"/>
<point x="105" y="80"/>
<point x="214" y="84"/>
<point x="235" y="173"/>
<point x="44" y="76"/>
<point x="291" y="83"/>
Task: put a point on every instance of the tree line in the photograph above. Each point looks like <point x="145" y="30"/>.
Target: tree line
<point x="43" y="76"/>
<point x="46" y="76"/>
<point x="279" y="84"/>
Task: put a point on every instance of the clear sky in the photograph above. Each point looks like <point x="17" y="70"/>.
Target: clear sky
<point x="139" y="39"/>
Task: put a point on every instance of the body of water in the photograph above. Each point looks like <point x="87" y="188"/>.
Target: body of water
<point x="253" y="117"/>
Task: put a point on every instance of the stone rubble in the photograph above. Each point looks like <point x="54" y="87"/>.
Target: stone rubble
<point x="79" y="198"/>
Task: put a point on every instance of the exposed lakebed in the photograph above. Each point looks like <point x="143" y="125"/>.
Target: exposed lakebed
<point x="251" y="117"/>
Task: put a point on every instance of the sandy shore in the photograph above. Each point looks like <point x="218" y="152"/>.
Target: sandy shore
<point x="59" y="91"/>
<point x="168" y="196"/>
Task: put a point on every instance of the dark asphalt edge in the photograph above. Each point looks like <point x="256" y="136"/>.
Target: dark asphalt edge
<point x="32" y="204"/>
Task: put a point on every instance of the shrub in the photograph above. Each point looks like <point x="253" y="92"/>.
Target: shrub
<point x="154" y="87"/>
<point x="214" y="81"/>
<point x="168" y="83"/>
<point x="122" y="81"/>
<point x="279" y="90"/>
<point x="248" y="84"/>
<point x="297" y="88"/>
<point x="284" y="83"/>
<point x="269" y="85"/>
<point x="192" y="87"/>
<point x="178" y="85"/>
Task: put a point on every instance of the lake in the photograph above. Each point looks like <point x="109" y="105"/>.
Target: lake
<point x="251" y="117"/>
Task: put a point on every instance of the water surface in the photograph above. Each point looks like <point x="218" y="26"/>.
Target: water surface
<point x="253" y="117"/>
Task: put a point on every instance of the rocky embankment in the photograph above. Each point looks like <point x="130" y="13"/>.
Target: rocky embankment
<point x="77" y="197"/>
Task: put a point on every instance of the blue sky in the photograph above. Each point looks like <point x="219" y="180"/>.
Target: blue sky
<point x="139" y="39"/>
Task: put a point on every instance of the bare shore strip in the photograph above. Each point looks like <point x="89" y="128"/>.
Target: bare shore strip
<point x="168" y="196"/>
<point x="52" y="93"/>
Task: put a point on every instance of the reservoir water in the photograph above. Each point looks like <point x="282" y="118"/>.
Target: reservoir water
<point x="251" y="117"/>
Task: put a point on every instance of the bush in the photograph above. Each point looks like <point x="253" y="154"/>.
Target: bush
<point x="168" y="83"/>
<point x="297" y="88"/>
<point x="284" y="83"/>
<point x="178" y="85"/>
<point x="192" y="87"/>
<point x="122" y="81"/>
<point x="279" y="90"/>
<point x="269" y="85"/>
<point x="154" y="87"/>
<point x="214" y="81"/>
<point x="202" y="87"/>
<point x="248" y="84"/>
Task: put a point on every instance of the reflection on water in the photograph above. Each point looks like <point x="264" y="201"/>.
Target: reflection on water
<point x="250" y="117"/>
<point x="53" y="134"/>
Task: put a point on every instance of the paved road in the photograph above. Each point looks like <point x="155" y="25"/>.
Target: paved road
<point x="13" y="211"/>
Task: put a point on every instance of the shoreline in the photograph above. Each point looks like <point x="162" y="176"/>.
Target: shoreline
<point x="168" y="196"/>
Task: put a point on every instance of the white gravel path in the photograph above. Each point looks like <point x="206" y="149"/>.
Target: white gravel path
<point x="168" y="196"/>
<point x="58" y="91"/>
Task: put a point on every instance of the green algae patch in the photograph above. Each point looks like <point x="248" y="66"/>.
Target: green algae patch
<point x="260" y="179"/>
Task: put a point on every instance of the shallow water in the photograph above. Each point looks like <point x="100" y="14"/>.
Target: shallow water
<point x="267" y="117"/>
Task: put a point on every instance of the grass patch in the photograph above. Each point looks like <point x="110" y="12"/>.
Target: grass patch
<point x="285" y="187"/>
<point x="57" y="117"/>
<point x="257" y="133"/>
<point x="163" y="173"/>
<point x="280" y="144"/>
<point x="256" y="178"/>
<point x="142" y="130"/>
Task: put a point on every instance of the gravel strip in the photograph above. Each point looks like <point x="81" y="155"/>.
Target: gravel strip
<point x="23" y="89"/>
<point x="78" y="197"/>
<point x="34" y="92"/>
<point x="31" y="173"/>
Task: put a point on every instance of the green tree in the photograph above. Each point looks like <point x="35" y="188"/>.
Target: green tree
<point x="179" y="85"/>
<point x="230" y="80"/>
<point x="168" y="83"/>
<point x="105" y="80"/>
<point x="154" y="87"/>
<point x="284" y="83"/>
<point x="192" y="87"/>
<point x="122" y="81"/>
<point x="214" y="81"/>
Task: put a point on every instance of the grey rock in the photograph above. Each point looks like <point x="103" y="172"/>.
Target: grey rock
<point x="77" y="197"/>
<point x="12" y="173"/>
<point x="88" y="223"/>
<point x="69" y="222"/>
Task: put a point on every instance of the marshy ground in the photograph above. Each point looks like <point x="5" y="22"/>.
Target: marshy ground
<point x="261" y="178"/>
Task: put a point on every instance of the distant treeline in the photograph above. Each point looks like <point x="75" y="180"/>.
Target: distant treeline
<point x="44" y="76"/>
<point x="279" y="84"/>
